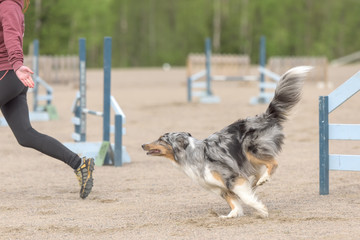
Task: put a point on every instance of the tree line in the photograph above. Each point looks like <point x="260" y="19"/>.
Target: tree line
<point x="153" y="32"/>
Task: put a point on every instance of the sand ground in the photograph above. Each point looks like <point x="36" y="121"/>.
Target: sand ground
<point x="151" y="199"/>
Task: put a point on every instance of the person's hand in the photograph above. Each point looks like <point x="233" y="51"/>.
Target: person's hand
<point x="24" y="74"/>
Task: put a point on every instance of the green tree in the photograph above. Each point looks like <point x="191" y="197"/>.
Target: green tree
<point x="152" y="32"/>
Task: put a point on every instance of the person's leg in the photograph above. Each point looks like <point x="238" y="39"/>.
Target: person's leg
<point x="15" y="110"/>
<point x="16" y="114"/>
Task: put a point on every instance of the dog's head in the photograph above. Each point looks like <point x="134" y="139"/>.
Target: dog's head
<point x="169" y="145"/>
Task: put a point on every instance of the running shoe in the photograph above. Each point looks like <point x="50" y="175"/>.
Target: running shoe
<point x="84" y="176"/>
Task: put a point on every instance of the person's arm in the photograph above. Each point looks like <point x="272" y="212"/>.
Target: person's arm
<point x="12" y="20"/>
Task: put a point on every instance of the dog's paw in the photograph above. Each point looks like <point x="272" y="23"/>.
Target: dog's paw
<point x="264" y="178"/>
<point x="232" y="214"/>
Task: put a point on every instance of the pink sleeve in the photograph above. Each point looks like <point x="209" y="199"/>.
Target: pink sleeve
<point x="12" y="20"/>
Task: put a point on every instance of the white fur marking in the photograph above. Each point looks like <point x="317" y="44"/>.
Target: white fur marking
<point x="247" y="196"/>
<point x="236" y="212"/>
<point x="209" y="178"/>
<point x="264" y="178"/>
<point x="300" y="70"/>
<point x="191" y="143"/>
<point x="194" y="175"/>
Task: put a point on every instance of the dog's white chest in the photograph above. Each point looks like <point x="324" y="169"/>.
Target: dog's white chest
<point x="205" y="180"/>
<point x="193" y="174"/>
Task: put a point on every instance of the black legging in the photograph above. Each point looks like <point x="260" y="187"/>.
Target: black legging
<point x="14" y="107"/>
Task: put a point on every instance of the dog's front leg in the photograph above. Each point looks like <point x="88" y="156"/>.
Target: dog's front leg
<point x="235" y="205"/>
<point x="242" y="188"/>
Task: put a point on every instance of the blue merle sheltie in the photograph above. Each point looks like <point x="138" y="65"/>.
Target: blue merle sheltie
<point x="235" y="160"/>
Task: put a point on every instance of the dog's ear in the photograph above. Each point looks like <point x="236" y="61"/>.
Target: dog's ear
<point x="179" y="142"/>
<point x="182" y="142"/>
<point x="179" y="146"/>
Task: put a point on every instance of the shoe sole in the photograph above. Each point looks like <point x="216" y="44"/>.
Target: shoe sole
<point x="87" y="186"/>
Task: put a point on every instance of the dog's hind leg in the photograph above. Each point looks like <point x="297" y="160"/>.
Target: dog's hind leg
<point x="242" y="188"/>
<point x="271" y="165"/>
<point x="234" y="203"/>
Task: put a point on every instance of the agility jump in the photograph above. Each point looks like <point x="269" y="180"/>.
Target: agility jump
<point x="204" y="89"/>
<point x="103" y="152"/>
<point x="48" y="107"/>
<point x="266" y="89"/>
<point x="327" y="131"/>
<point x="204" y="93"/>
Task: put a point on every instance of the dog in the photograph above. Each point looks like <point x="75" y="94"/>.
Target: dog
<point x="234" y="161"/>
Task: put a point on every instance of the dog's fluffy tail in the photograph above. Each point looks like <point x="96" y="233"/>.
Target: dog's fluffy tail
<point x="287" y="93"/>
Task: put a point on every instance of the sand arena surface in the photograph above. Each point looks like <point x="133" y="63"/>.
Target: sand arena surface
<point x="151" y="199"/>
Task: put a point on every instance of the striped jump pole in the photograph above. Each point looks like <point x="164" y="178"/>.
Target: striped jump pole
<point x="80" y="128"/>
